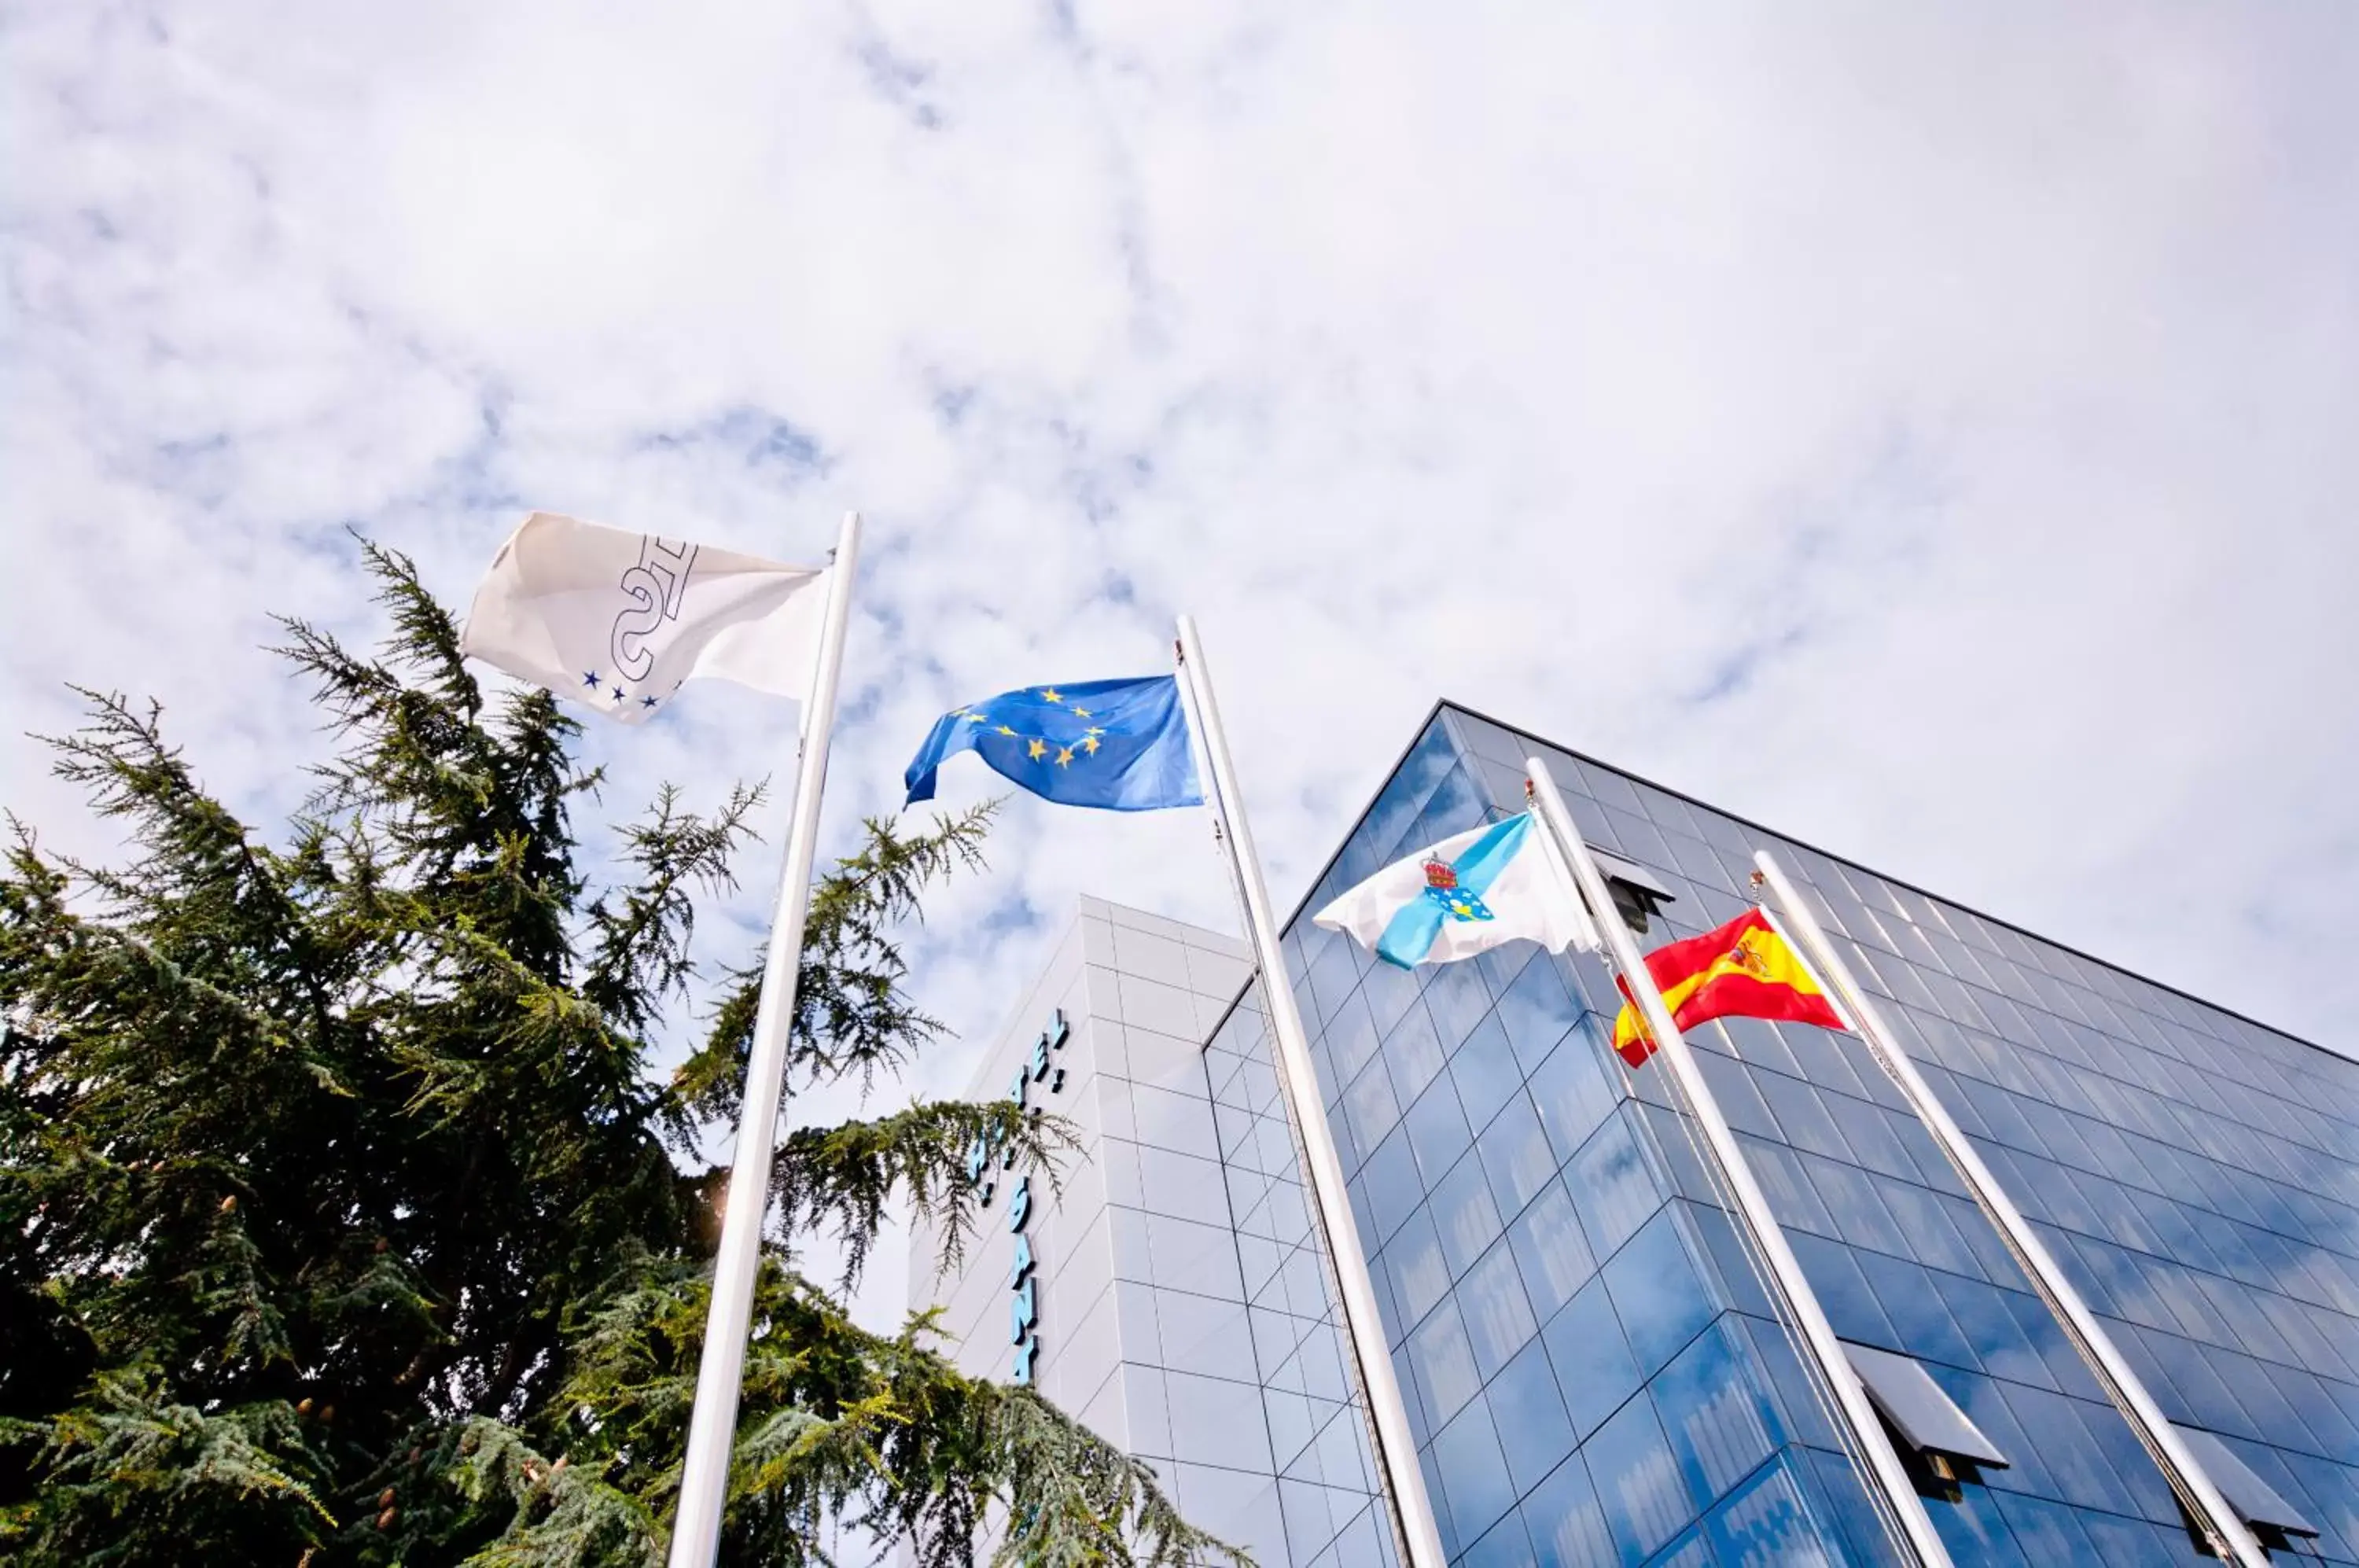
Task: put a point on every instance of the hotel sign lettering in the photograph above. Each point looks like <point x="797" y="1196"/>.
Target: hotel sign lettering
<point x="984" y="1161"/>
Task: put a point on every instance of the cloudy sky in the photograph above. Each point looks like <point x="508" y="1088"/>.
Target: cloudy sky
<point x="1932" y="433"/>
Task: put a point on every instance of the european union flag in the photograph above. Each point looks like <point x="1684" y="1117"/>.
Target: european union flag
<point x="1120" y="745"/>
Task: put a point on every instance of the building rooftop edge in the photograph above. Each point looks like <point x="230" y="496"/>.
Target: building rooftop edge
<point x="1441" y="703"/>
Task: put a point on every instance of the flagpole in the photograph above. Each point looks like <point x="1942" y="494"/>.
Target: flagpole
<point x="1875" y="1449"/>
<point x="1415" y="1533"/>
<point x="712" y="1425"/>
<point x="2121" y="1381"/>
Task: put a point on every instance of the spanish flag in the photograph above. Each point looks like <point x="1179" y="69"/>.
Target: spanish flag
<point x="1743" y="970"/>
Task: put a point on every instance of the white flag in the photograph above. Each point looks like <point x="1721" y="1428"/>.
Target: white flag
<point x="1478" y="890"/>
<point x="617" y="620"/>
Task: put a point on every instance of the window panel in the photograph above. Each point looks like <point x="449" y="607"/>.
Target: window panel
<point x="1802" y="1116"/>
<point x="1334" y="974"/>
<point x="1536" y="1011"/>
<point x="2066" y="1370"/>
<point x="1412" y="1053"/>
<point x="1916" y="1308"/>
<point x="1456" y="996"/>
<point x="2079" y="1472"/>
<point x="1438" y="1132"/>
<point x="1925" y="1223"/>
<point x="1594" y="1369"/>
<point x="1872" y="1138"/>
<point x="1406" y="793"/>
<point x="2143" y="1491"/>
<point x="1420" y="1275"/>
<point x="1567" y="1526"/>
<point x="1370" y="1110"/>
<point x="1765" y="1524"/>
<point x="1739" y="1282"/>
<point x="1983" y="1314"/>
<point x="1551" y="1250"/>
<point x="1733" y="1091"/>
<point x="1485" y="1071"/>
<point x="1999" y="1265"/>
<point x="1839" y="1494"/>
<point x="1976" y="1533"/>
<point x="1851" y="1196"/>
<point x="1389" y="993"/>
<point x="1718" y="1415"/>
<point x="1390" y="1184"/>
<point x="1444" y="1363"/>
<point x="1759" y="1044"/>
<point x="2332" y="1435"/>
<point x="1792" y="1198"/>
<point x="1657" y="1291"/>
<point x="1498" y="1317"/>
<point x="2047" y="1531"/>
<point x="1985" y="1402"/>
<point x="1616" y="1185"/>
<point x="1843" y="1291"/>
<point x="1573" y="1094"/>
<point x="1534" y="1426"/>
<point x="1351" y="1036"/>
<point x="1465" y="1216"/>
<point x="1638" y="1481"/>
<point x="1516" y="1156"/>
<point x="1504" y="1545"/>
<point x="1920" y="1410"/>
<point x="1822" y="1059"/>
<point x="1474" y="1472"/>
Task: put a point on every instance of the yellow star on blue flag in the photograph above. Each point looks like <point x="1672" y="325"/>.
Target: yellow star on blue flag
<point x="1121" y="745"/>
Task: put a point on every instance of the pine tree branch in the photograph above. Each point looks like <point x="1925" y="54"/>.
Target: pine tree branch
<point x="845" y="1178"/>
<point x="639" y="955"/>
<point x="852" y="1016"/>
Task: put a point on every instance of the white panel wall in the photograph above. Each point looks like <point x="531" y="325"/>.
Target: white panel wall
<point x="1145" y="1328"/>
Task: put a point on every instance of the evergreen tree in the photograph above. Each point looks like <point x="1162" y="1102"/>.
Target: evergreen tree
<point x="342" y="1222"/>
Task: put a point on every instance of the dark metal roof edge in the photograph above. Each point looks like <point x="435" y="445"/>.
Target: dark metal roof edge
<point x="1444" y="705"/>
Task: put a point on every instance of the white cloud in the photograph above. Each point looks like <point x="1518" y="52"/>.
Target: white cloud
<point x="1927" y="432"/>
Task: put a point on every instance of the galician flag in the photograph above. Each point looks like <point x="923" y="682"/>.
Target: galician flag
<point x="1478" y="890"/>
<point x="618" y="621"/>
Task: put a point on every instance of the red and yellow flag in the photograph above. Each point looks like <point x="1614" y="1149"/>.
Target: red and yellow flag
<point x="1743" y="970"/>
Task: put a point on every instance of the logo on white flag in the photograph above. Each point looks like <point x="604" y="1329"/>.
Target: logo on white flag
<point x="655" y="587"/>
<point x="602" y="615"/>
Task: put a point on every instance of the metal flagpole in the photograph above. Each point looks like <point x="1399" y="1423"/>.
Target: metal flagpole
<point x="1876" y="1450"/>
<point x="704" y="1484"/>
<point x="1415" y="1533"/>
<point x="2180" y="1467"/>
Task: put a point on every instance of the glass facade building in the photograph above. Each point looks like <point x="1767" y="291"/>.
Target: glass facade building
<point x="1592" y="1367"/>
<point x="1592" y="1364"/>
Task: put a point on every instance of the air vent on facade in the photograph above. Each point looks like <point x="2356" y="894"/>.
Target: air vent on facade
<point x="1638" y="894"/>
<point x="2255" y="1501"/>
<point x="1924" y="1417"/>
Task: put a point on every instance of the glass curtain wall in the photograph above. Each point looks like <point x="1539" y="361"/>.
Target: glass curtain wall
<point x="1591" y="1367"/>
